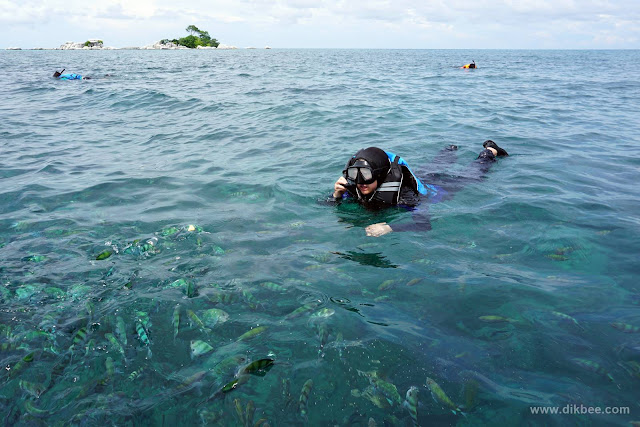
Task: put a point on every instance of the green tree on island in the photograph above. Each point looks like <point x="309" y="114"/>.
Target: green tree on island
<point x="196" y="38"/>
<point x="192" y="29"/>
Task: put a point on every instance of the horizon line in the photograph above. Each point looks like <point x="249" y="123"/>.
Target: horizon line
<point x="16" y="48"/>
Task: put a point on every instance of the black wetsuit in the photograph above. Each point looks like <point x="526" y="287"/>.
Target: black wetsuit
<point x="435" y="176"/>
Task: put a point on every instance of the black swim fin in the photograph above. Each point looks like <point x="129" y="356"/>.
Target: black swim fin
<point x="490" y="144"/>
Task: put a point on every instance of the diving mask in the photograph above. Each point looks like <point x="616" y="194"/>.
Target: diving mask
<point x="360" y="172"/>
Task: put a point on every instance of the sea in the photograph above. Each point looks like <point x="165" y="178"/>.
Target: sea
<point x="169" y="254"/>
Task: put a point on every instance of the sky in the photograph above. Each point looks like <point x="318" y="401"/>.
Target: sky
<point x="406" y="24"/>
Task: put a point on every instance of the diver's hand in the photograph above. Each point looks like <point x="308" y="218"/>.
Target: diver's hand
<point x="338" y="187"/>
<point x="377" y="230"/>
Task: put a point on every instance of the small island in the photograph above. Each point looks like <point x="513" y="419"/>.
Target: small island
<point x="197" y="39"/>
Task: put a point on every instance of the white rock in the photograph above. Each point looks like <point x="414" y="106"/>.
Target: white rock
<point x="72" y="46"/>
<point x="226" y="46"/>
<point x="163" y="46"/>
<point x="94" y="44"/>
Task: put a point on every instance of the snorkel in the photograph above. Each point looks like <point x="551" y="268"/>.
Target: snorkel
<point x="58" y="74"/>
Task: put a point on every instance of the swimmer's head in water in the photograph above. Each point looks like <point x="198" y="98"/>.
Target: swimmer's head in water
<point x="58" y="73"/>
<point x="490" y="144"/>
<point x="486" y="155"/>
<point x="368" y="165"/>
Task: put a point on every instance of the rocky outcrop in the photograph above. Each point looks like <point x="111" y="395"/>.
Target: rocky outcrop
<point x="163" y="46"/>
<point x="71" y="46"/>
<point x="91" y="44"/>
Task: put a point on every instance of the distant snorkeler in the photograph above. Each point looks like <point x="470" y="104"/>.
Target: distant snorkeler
<point x="471" y="65"/>
<point x="378" y="179"/>
<point x="73" y="76"/>
<point x="68" y="76"/>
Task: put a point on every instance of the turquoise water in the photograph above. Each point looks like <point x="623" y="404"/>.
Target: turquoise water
<point x="244" y="146"/>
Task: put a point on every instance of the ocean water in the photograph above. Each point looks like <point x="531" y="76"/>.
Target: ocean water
<point x="150" y="219"/>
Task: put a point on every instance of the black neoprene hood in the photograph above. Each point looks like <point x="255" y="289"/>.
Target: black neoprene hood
<point x="377" y="159"/>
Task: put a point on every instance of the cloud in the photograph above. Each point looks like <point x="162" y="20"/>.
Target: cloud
<point x="14" y="13"/>
<point x="359" y="23"/>
<point x="115" y="12"/>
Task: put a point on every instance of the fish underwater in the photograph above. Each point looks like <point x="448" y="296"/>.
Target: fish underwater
<point x="273" y="287"/>
<point x="252" y="333"/>
<point x="411" y="404"/>
<point x="567" y="318"/>
<point x="441" y="397"/>
<point x="144" y="338"/>
<point x="492" y="388"/>
<point x="198" y="348"/>
<point x="195" y="320"/>
<point x="306" y="308"/>
<point x="120" y="330"/>
<point x="323" y="313"/>
<point x="495" y="319"/>
<point x="213" y="317"/>
<point x="175" y="321"/>
<point x="592" y="366"/>
<point x="625" y="327"/>
<point x="303" y="400"/>
<point x="115" y="344"/>
<point x="382" y="387"/>
<point x="258" y="367"/>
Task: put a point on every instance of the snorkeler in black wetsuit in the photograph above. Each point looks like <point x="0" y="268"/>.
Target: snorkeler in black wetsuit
<point x="377" y="179"/>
